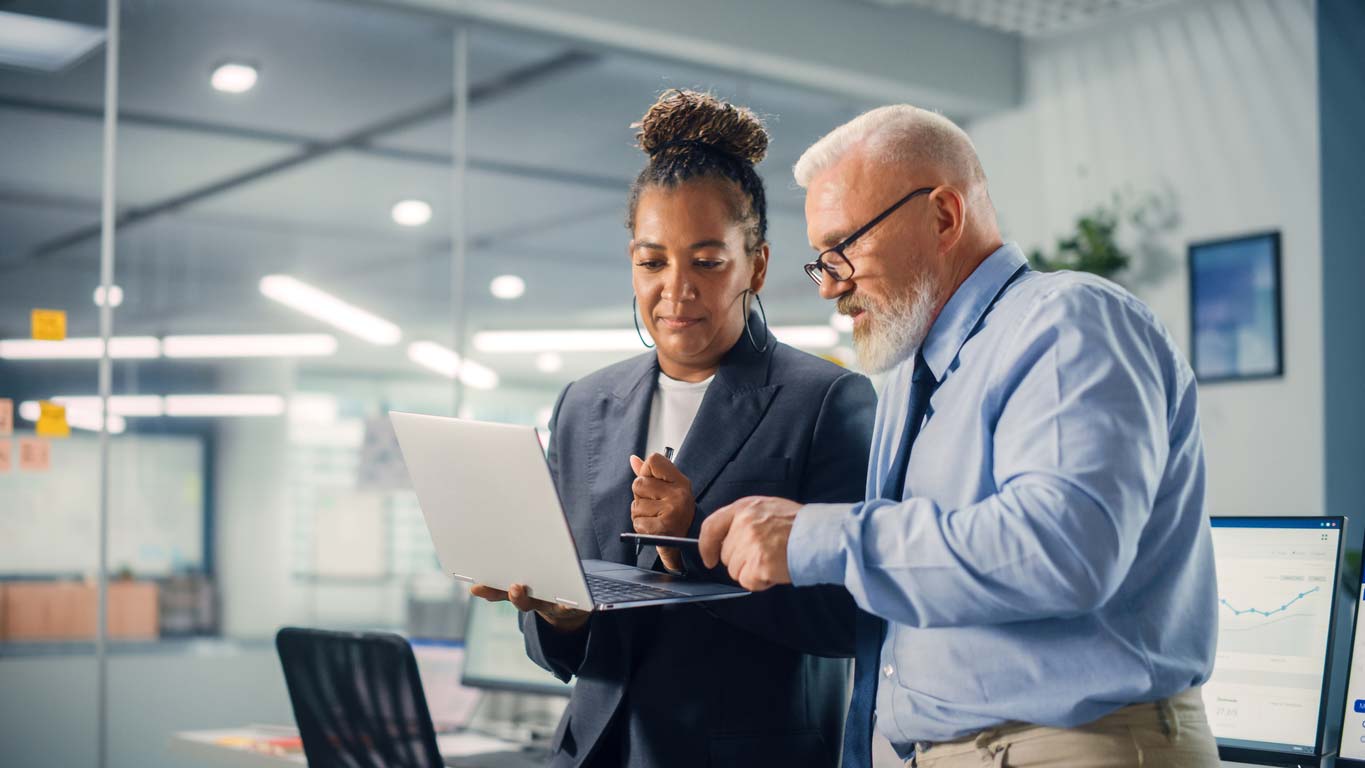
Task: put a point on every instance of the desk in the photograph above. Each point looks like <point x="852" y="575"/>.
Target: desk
<point x="216" y="749"/>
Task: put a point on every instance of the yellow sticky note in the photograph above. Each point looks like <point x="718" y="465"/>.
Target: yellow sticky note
<point x="5" y="461"/>
<point x="52" y="420"/>
<point x="49" y="324"/>
<point x="35" y="455"/>
<point x="6" y="417"/>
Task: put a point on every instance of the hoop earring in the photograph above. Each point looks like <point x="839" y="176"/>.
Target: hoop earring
<point x="635" y="315"/>
<point x="762" y="313"/>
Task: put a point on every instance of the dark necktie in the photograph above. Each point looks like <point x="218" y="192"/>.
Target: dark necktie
<point x="869" y="630"/>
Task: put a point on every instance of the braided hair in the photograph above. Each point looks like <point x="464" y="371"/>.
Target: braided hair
<point x="692" y="135"/>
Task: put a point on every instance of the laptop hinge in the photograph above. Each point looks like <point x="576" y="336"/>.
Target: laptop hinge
<point x="462" y="577"/>
<point x="569" y="603"/>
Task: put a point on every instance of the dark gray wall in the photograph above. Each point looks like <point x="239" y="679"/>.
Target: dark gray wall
<point x="1341" y="109"/>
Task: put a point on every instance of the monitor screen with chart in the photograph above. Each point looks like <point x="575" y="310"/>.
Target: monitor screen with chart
<point x="495" y="653"/>
<point x="1276" y="584"/>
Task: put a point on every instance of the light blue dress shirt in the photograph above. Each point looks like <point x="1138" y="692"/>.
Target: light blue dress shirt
<point x="1052" y="561"/>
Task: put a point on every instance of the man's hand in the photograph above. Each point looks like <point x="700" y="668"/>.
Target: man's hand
<point x="557" y="616"/>
<point x="750" y="537"/>
<point x="663" y="505"/>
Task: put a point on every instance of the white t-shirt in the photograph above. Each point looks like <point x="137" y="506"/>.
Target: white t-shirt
<point x="671" y="414"/>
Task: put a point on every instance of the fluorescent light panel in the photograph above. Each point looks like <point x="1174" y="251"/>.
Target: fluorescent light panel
<point x="30" y="410"/>
<point x="50" y="45"/>
<point x="119" y="405"/>
<point x="444" y="361"/>
<point x="120" y="347"/>
<point x="556" y="341"/>
<point x="319" y="304"/>
<point x="87" y="407"/>
<point x="224" y="405"/>
<point x="262" y="345"/>
<point x="805" y="336"/>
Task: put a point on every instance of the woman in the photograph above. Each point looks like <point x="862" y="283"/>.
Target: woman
<point x="730" y="682"/>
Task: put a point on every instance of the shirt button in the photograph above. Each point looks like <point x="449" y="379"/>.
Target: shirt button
<point x="888" y="670"/>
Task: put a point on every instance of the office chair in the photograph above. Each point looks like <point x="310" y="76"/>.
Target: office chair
<point x="357" y="699"/>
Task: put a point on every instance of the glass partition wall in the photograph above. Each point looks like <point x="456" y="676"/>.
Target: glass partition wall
<point x="289" y="268"/>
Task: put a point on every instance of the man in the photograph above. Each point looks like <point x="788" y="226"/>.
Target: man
<point x="1033" y="551"/>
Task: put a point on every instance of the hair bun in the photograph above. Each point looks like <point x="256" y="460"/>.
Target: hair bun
<point x="693" y="116"/>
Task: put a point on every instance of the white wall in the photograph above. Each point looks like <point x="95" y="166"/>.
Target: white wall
<point x="1217" y="102"/>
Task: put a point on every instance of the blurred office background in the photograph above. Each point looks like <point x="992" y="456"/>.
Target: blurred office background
<point x="253" y="480"/>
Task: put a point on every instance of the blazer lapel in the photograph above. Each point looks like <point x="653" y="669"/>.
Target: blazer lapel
<point x="733" y="406"/>
<point x="619" y="430"/>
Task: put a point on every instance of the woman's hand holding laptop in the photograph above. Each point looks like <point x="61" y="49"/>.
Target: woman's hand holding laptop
<point x="561" y="618"/>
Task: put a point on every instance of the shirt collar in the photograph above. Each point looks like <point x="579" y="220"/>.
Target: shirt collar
<point x="967" y="306"/>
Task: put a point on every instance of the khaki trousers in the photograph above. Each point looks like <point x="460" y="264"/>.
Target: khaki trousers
<point x="1171" y="733"/>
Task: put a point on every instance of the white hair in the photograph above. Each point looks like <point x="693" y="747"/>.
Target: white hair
<point x="899" y="133"/>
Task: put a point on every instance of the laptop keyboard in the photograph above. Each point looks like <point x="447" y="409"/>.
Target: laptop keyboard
<point x="605" y="590"/>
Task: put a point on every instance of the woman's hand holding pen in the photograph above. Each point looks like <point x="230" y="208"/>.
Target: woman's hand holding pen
<point x="561" y="618"/>
<point x="663" y="505"/>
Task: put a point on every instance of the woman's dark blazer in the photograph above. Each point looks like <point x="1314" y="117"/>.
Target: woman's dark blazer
<point x="728" y="683"/>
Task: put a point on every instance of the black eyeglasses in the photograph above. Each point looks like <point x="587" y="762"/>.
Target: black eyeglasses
<point x="832" y="261"/>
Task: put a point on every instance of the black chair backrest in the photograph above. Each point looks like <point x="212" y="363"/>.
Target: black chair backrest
<point x="357" y="699"/>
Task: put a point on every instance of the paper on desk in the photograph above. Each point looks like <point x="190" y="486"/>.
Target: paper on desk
<point x="465" y="744"/>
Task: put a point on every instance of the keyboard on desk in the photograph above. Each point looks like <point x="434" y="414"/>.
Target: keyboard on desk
<point x="604" y="590"/>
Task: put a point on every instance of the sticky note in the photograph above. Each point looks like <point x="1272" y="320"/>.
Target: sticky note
<point x="6" y="417"/>
<point x="35" y="454"/>
<point x="5" y="461"/>
<point x="52" y="420"/>
<point x="49" y="324"/>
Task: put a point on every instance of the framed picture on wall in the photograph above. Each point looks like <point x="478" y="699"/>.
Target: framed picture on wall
<point x="1236" y="329"/>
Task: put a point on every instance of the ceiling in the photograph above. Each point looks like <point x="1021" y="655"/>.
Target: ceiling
<point x="1031" y="18"/>
<point x="298" y="175"/>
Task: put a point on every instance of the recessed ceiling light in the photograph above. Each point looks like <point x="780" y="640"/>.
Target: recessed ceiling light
<point x="234" y="77"/>
<point x="507" y="287"/>
<point x="115" y="296"/>
<point x="411" y="213"/>
<point x="549" y="362"/>
<point x="34" y="42"/>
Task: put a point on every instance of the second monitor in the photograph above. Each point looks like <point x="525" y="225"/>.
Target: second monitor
<point x="1266" y="700"/>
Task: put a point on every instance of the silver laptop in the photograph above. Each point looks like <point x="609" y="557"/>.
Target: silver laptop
<point x="495" y="517"/>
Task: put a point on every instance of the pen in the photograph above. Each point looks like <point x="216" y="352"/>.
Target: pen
<point x="641" y="540"/>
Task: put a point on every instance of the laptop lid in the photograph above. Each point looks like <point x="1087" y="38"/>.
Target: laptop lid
<point x="491" y="505"/>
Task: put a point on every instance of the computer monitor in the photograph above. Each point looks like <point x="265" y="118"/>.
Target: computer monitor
<point x="440" y="664"/>
<point x="495" y="653"/>
<point x="1267" y="698"/>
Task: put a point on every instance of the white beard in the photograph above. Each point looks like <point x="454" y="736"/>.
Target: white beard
<point x="897" y="330"/>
